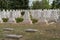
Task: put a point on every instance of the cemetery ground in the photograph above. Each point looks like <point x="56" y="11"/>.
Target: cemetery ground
<point x="45" y="32"/>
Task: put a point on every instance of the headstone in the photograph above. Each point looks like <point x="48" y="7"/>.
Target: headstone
<point x="31" y="30"/>
<point x="11" y="18"/>
<point x="1" y="21"/>
<point x="42" y="19"/>
<point x="7" y="13"/>
<point x="27" y="19"/>
<point x="13" y="37"/>
<point x="47" y="14"/>
<point x="58" y="12"/>
<point x="8" y="30"/>
<point x="35" y="14"/>
<point x="53" y="16"/>
<point x="2" y="16"/>
<point x="14" y="13"/>
<point x="18" y="13"/>
<point x="39" y="14"/>
<point x="4" y="13"/>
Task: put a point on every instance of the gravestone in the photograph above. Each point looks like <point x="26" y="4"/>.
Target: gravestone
<point x="42" y="19"/>
<point x="53" y="17"/>
<point x="58" y="12"/>
<point x="58" y="20"/>
<point x="14" y="13"/>
<point x="49" y="12"/>
<point x="26" y="17"/>
<point x="7" y="13"/>
<point x="35" y="14"/>
<point x="1" y="14"/>
<point x="31" y="30"/>
<point x="39" y="14"/>
<point x="18" y="13"/>
<point x="1" y="21"/>
<point x="11" y="18"/>
<point x="4" y="13"/>
<point x="13" y="37"/>
<point x="8" y="30"/>
<point x="46" y="14"/>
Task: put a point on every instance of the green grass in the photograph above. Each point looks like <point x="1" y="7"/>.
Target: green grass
<point x="46" y="32"/>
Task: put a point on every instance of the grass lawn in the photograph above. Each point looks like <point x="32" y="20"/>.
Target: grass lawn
<point x="46" y="32"/>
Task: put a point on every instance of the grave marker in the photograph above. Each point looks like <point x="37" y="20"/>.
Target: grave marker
<point x="11" y="18"/>
<point x="27" y="19"/>
<point x="13" y="37"/>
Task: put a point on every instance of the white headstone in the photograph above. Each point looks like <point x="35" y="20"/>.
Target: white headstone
<point x="35" y="14"/>
<point x="58" y="12"/>
<point x="7" y="13"/>
<point x="27" y="18"/>
<point x="39" y="14"/>
<point x="53" y="16"/>
<point x="42" y="18"/>
<point x="47" y="14"/>
<point x="1" y="21"/>
<point x="18" y="13"/>
<point x="14" y="13"/>
<point x="11" y="18"/>
<point x="4" y="13"/>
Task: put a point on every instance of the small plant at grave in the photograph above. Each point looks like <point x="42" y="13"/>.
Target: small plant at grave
<point x="19" y="20"/>
<point x="5" y="19"/>
<point x="34" y="20"/>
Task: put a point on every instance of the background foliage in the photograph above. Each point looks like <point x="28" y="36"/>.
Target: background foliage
<point x="24" y="4"/>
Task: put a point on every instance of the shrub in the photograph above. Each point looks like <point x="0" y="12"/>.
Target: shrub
<point x="5" y="19"/>
<point x="22" y="13"/>
<point x="34" y="20"/>
<point x="19" y="20"/>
